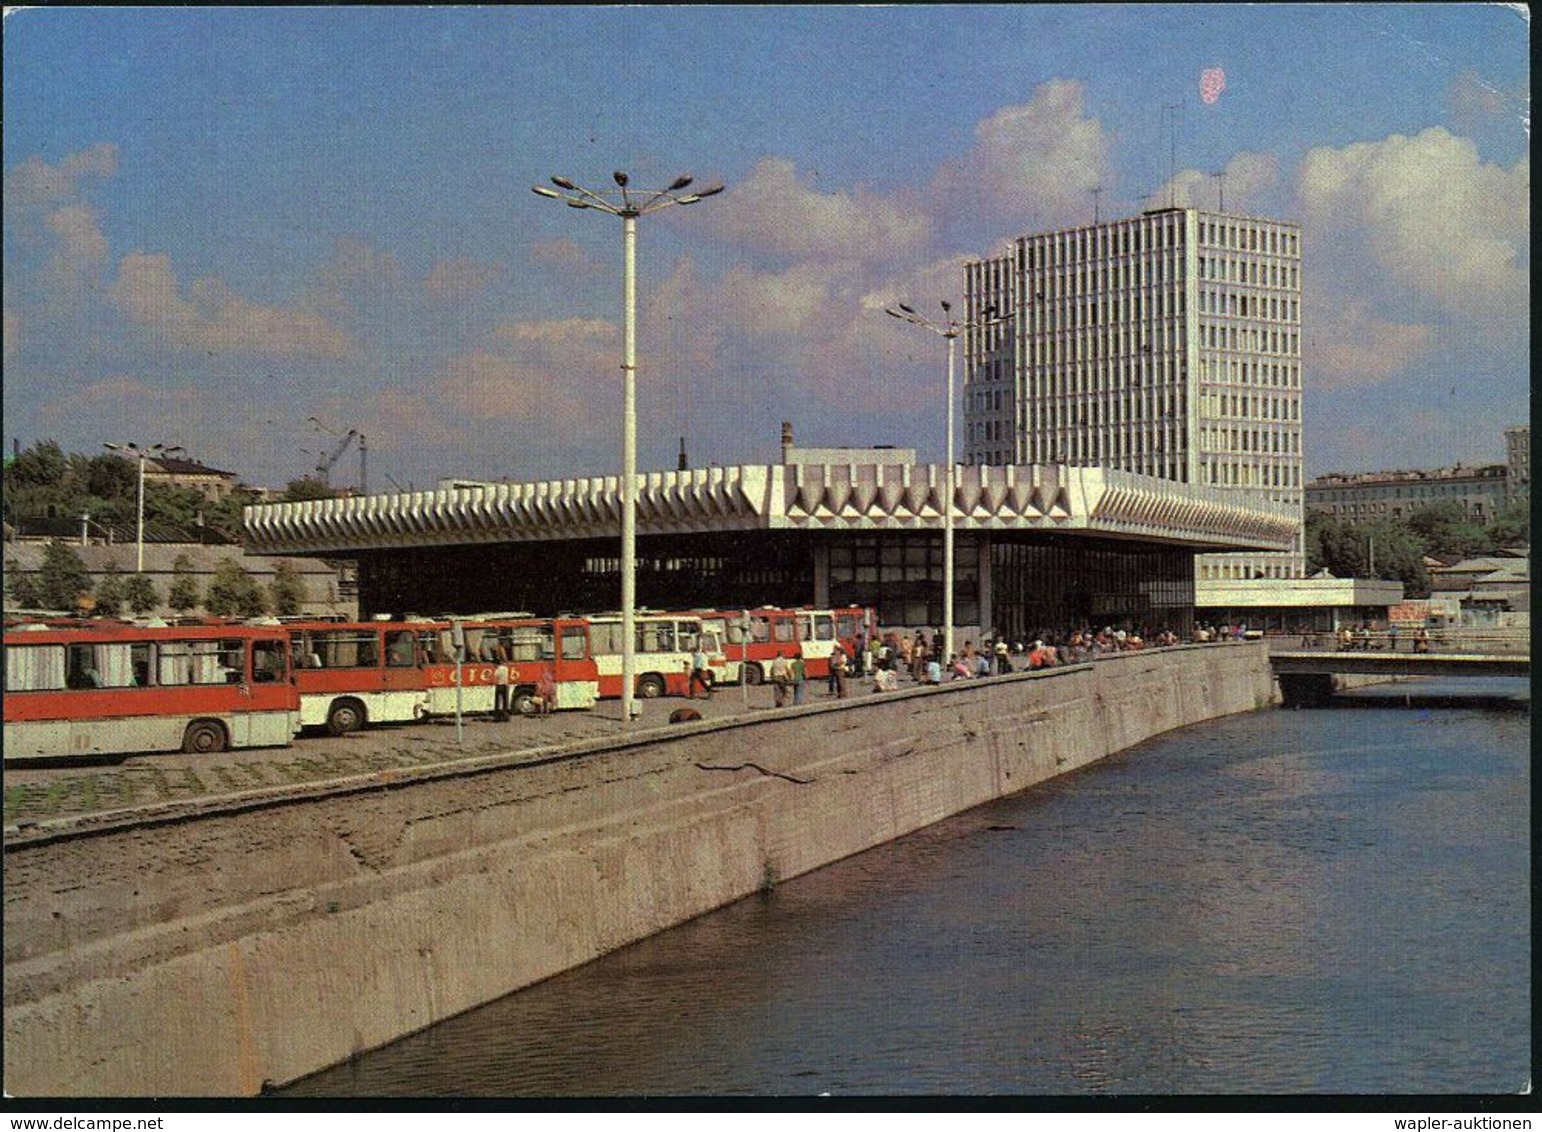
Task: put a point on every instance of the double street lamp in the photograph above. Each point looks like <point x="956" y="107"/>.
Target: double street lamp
<point x="949" y="328"/>
<point x="134" y="452"/>
<point x="628" y="204"/>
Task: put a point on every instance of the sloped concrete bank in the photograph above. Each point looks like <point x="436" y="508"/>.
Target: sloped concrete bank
<point x="207" y="947"/>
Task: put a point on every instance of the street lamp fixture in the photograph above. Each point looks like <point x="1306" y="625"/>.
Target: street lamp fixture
<point x="949" y="328"/>
<point x="134" y="452"/>
<point x="628" y="204"/>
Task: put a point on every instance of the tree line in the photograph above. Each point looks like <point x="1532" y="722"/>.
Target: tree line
<point x="63" y="584"/>
<point x="45" y="481"/>
<point x="1395" y="548"/>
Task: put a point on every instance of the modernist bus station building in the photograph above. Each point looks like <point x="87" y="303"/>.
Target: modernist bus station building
<point x="1037" y="546"/>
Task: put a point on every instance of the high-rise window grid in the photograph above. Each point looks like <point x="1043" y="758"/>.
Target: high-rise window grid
<point x="1167" y="344"/>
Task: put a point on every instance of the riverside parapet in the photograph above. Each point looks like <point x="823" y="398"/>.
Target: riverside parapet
<point x="211" y="946"/>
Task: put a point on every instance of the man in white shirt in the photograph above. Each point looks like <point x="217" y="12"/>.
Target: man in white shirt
<point x="501" y="690"/>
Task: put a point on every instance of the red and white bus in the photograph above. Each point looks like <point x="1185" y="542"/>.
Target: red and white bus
<point x="812" y="633"/>
<point x="120" y="689"/>
<point x="664" y="647"/>
<point x="556" y="648"/>
<point x="353" y="673"/>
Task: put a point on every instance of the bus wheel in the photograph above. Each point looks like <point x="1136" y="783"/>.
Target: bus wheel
<point x="203" y="737"/>
<point x="754" y="674"/>
<point x="651" y="686"/>
<point x="525" y="703"/>
<point x="345" y="716"/>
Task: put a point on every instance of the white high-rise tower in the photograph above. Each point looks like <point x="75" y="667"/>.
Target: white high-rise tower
<point x="1167" y="343"/>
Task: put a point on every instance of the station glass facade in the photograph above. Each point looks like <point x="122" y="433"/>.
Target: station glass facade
<point x="1042" y="585"/>
<point x="1017" y="584"/>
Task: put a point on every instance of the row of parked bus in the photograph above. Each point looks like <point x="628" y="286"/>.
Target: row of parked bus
<point x="115" y="688"/>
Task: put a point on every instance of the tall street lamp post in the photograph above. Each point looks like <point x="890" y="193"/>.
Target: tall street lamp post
<point x="628" y="204"/>
<point x="949" y="328"/>
<point x="134" y="452"/>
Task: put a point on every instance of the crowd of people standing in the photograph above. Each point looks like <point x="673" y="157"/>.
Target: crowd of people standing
<point x="889" y="657"/>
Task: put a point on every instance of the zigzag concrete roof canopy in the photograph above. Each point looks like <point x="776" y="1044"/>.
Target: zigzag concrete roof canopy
<point x="749" y="497"/>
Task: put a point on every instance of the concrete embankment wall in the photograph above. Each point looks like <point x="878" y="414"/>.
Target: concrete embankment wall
<point x="207" y="947"/>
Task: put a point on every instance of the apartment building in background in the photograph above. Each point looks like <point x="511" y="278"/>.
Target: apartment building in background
<point x="1167" y="344"/>
<point x="1365" y="497"/>
<point x="1518" y="459"/>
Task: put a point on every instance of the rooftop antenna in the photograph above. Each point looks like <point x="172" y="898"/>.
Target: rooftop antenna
<point x="1220" y="181"/>
<point x="1172" y="147"/>
<point x="684" y="463"/>
<point x="1097" y="191"/>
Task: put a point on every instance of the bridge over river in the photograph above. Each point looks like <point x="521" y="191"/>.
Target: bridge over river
<point x="1306" y="671"/>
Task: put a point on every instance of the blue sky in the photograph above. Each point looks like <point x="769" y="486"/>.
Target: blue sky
<point x="220" y="223"/>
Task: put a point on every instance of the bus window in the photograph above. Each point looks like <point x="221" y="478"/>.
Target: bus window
<point x="268" y="661"/>
<point x="219" y="662"/>
<point x="782" y="630"/>
<point x="482" y="644"/>
<point x="530" y="643"/>
<point x="575" y="645"/>
<point x="824" y="627"/>
<point x="303" y="652"/>
<point x="760" y="630"/>
<point x="345" y="648"/>
<point x="80" y="667"/>
<point x="656" y="636"/>
<point x="399" y="649"/>
<point x="430" y="648"/>
<point x="114" y="664"/>
<point x="34" y="668"/>
<point x="175" y="664"/>
<point x="847" y="625"/>
<point x="605" y="638"/>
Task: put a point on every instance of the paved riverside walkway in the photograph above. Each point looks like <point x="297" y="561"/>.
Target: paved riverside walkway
<point x="40" y="790"/>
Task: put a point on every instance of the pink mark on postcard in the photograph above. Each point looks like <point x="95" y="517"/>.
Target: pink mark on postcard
<point x="1212" y="81"/>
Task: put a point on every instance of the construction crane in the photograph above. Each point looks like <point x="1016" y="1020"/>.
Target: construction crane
<point x="329" y="461"/>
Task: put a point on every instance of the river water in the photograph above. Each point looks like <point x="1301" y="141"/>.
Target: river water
<point x="1289" y="902"/>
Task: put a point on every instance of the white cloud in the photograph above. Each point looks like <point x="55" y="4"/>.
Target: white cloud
<point x="79" y="255"/>
<point x="214" y="318"/>
<point x="561" y="332"/>
<point x="1426" y="216"/>
<point x="543" y="373"/>
<point x="564" y="255"/>
<point x="810" y="336"/>
<point x="461" y="278"/>
<point x="80" y="235"/>
<point x="1033" y="165"/>
<point x="129" y="406"/>
<point x="775" y="213"/>
<point x="1244" y="184"/>
<point x="35" y="183"/>
<point x="45" y="210"/>
<point x="356" y="262"/>
<point x="1347" y="345"/>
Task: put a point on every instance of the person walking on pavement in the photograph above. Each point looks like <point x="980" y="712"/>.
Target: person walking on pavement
<point x="781" y="677"/>
<point x="700" y="675"/>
